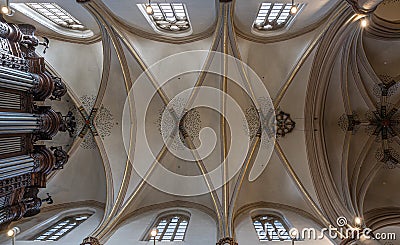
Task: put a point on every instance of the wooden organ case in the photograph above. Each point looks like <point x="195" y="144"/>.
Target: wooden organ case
<point x="24" y="163"/>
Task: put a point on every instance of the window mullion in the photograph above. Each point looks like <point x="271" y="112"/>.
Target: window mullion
<point x="163" y="13"/>
<point x="279" y="15"/>
<point x="269" y="12"/>
<point x="59" y="229"/>
<point x="50" y="10"/>
<point x="176" y="228"/>
<point x="165" y="229"/>
<point x="266" y="229"/>
<point x="276" y="230"/>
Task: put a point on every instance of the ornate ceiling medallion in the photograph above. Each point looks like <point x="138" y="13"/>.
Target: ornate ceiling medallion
<point x="383" y="122"/>
<point x="189" y="126"/>
<point x="284" y="124"/>
<point x="100" y="122"/>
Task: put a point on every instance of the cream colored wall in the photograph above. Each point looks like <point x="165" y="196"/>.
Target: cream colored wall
<point x="78" y="64"/>
<point x="41" y="222"/>
<point x="246" y="234"/>
<point x="201" y="230"/>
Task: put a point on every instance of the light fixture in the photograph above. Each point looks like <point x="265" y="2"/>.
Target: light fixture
<point x="294" y="234"/>
<point x="10" y="233"/>
<point x="357" y="221"/>
<point x="149" y="8"/>
<point x="13" y="232"/>
<point x="364" y="22"/>
<point x="153" y="234"/>
<point x="6" y="9"/>
<point x="294" y="8"/>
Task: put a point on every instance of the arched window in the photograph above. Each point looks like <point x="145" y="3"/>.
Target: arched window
<point x="168" y="18"/>
<point x="274" y="16"/>
<point x="61" y="228"/>
<point x="54" y="17"/>
<point x="171" y="227"/>
<point x="57" y="15"/>
<point x="271" y="227"/>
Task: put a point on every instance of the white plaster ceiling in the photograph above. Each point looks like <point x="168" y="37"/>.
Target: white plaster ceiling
<point x="81" y="67"/>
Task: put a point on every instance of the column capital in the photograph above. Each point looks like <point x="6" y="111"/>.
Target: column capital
<point x="227" y="241"/>
<point x="364" y="6"/>
<point x="91" y="241"/>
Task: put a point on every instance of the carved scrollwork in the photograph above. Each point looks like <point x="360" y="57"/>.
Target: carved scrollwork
<point x="8" y="186"/>
<point x="284" y="124"/>
<point x="27" y="207"/>
<point x="50" y="123"/>
<point x="10" y="32"/>
<point x="31" y="202"/>
<point x="91" y="241"/>
<point x="44" y="159"/>
<point x="61" y="157"/>
<point x="69" y="124"/>
<point x="60" y="89"/>
<point x="227" y="241"/>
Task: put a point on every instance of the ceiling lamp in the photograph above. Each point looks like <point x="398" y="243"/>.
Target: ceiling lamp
<point x="364" y="22"/>
<point x="13" y="232"/>
<point x="6" y="9"/>
<point x="357" y="221"/>
<point x="153" y="234"/>
<point x="149" y="9"/>
<point x="294" y="8"/>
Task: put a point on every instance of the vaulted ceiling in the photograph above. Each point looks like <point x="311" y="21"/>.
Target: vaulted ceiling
<point x="317" y="156"/>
